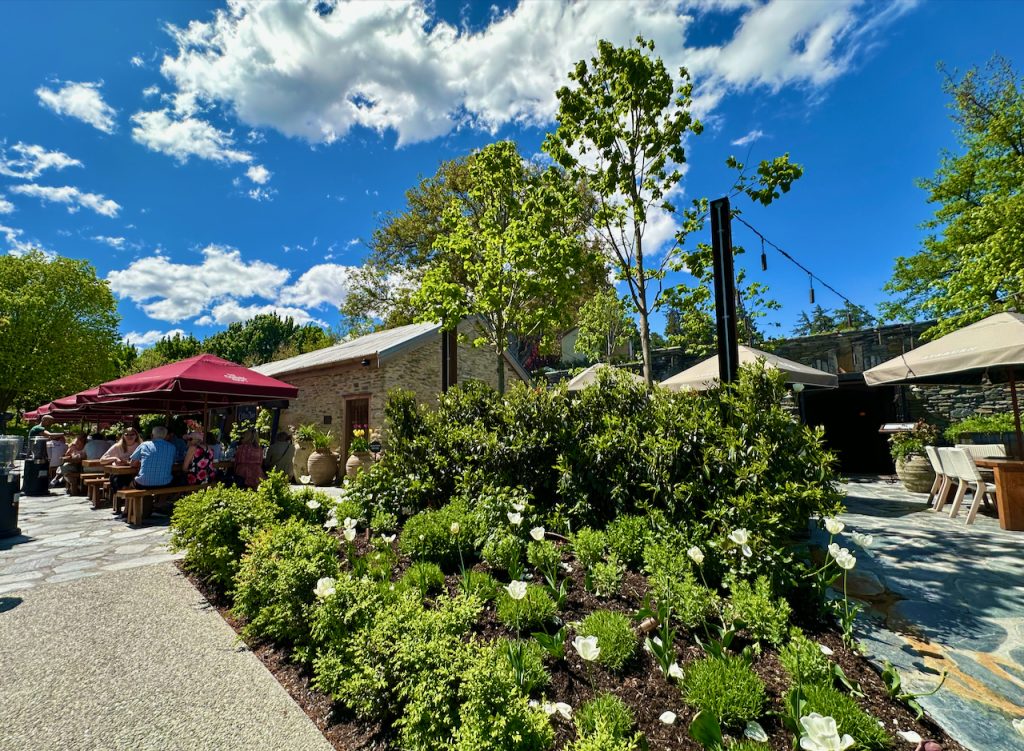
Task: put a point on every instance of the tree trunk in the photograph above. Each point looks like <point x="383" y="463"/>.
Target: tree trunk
<point x="645" y="347"/>
<point x="501" y="372"/>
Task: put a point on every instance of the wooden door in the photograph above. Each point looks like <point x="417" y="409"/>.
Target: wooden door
<point x="357" y="415"/>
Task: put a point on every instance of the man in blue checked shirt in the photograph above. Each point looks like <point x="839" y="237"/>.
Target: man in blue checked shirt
<point x="155" y="460"/>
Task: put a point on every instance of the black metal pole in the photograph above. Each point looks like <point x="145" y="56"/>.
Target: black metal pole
<point x="725" y="290"/>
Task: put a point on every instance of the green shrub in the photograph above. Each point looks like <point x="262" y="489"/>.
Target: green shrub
<point x="428" y="536"/>
<point x="615" y="637"/>
<point x="525" y="659"/>
<point x="725" y="687"/>
<point x="747" y="745"/>
<point x="604" y="709"/>
<point x="849" y="717"/>
<point x="1001" y="422"/>
<point x="691" y="602"/>
<point x="588" y="547"/>
<point x="606" y="576"/>
<point x="603" y="739"/>
<point x="803" y="660"/>
<point x="532" y="611"/>
<point x="763" y="614"/>
<point x="384" y="521"/>
<point x="504" y="552"/>
<point x="481" y="584"/>
<point x="494" y="715"/>
<point x="213" y="527"/>
<point x="275" y="583"/>
<point x="381" y="560"/>
<point x="311" y="505"/>
<point x="352" y="607"/>
<point x="425" y="577"/>
<point x="544" y="557"/>
<point x="275" y="489"/>
<point x="627" y="537"/>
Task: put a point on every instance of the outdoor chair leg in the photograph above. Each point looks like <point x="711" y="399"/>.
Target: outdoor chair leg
<point x="960" y="493"/>
<point x="979" y="496"/>
<point x="947" y="484"/>
<point x="935" y="488"/>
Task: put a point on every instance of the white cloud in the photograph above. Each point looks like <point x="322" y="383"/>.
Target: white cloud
<point x="186" y="136"/>
<point x="229" y="312"/>
<point x="81" y="100"/>
<point x="137" y="62"/>
<point x="6" y="207"/>
<point x="262" y="194"/>
<point x="151" y="91"/>
<point x="117" y="243"/>
<point x="32" y="160"/>
<point x="16" y="246"/>
<point x="323" y="284"/>
<point x="397" y="67"/>
<point x="258" y="174"/>
<point x="170" y="291"/>
<point x="751" y="137"/>
<point x="151" y="337"/>
<point x="73" y="197"/>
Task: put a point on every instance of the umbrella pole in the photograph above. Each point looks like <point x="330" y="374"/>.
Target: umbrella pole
<point x="1016" y="414"/>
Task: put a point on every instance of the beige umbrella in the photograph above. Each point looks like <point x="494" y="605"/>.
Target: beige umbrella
<point x="589" y="376"/>
<point x="704" y="375"/>
<point x="991" y="349"/>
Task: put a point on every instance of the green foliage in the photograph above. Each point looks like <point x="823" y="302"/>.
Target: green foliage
<point x="998" y="423"/>
<point x="532" y="611"/>
<point x="588" y="547"/>
<point x="747" y="745"/>
<point x="265" y="337"/>
<point x="627" y="536"/>
<point x="604" y="325"/>
<point x="526" y="660"/>
<point x="426" y="578"/>
<point x="604" y="739"/>
<point x="906" y="445"/>
<point x="759" y="609"/>
<point x="381" y="560"/>
<point x="428" y="535"/>
<point x="275" y="582"/>
<point x="333" y="620"/>
<point x="615" y="637"/>
<point x="725" y="687"/>
<point x="969" y="264"/>
<point x="544" y="556"/>
<point x="849" y="717"/>
<point x="213" y="527"/>
<point x="504" y="552"/>
<point x="692" y="603"/>
<point x="58" y="325"/>
<point x="604" y="709"/>
<point x="804" y="661"/>
<point x="606" y="577"/>
<point x="481" y="584"/>
<point x="849" y="317"/>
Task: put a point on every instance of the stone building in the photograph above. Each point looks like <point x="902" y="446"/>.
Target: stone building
<point x="345" y="386"/>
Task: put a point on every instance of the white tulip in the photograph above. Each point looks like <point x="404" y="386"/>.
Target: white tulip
<point x="350" y="533"/>
<point x="388" y="538"/>
<point x="755" y="732"/>
<point x="820" y="734"/>
<point x="515" y="518"/>
<point x="833" y="549"/>
<point x="674" y="671"/>
<point x="455" y="528"/>
<point x="324" y="587"/>
<point x="740" y="536"/>
<point x="350" y="523"/>
<point x="864" y="541"/>
<point x="587" y="647"/>
<point x="834" y="526"/>
<point x="669" y="718"/>
<point x="518" y="507"/>
<point x="331" y="523"/>
<point x="313" y="503"/>
<point x="560" y="708"/>
<point x="696" y="555"/>
<point x="846" y="559"/>
<point x="304" y="479"/>
<point x="826" y="650"/>
<point x="537" y="533"/>
<point x="910" y="736"/>
<point x="516" y="590"/>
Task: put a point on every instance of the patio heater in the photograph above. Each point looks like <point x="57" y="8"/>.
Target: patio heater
<point x="36" y="471"/>
<point x="10" y="479"/>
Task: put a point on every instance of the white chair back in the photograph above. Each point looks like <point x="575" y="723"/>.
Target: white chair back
<point x="933" y="459"/>
<point x="965" y="467"/>
<point x="983" y="450"/>
<point x="949" y="468"/>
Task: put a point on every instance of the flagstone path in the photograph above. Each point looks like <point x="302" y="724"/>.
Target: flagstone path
<point x="942" y="596"/>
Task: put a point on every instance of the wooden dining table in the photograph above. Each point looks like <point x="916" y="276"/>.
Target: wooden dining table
<point x="1009" y="475"/>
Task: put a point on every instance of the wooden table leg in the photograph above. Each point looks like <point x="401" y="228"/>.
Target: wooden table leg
<point x="1010" y="497"/>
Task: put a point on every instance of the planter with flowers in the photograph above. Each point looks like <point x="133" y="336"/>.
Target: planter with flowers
<point x="360" y="459"/>
<point x="322" y="463"/>
<point x="912" y="465"/>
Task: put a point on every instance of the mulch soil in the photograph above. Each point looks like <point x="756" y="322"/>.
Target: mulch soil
<point x="640" y="684"/>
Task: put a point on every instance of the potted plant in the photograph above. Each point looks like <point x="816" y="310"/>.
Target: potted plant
<point x="991" y="428"/>
<point x="322" y="464"/>
<point x="361" y="458"/>
<point x="912" y="465"/>
<point x="303" y="437"/>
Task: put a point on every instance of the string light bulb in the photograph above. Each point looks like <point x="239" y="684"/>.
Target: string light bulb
<point x="764" y="258"/>
<point x="811" y="280"/>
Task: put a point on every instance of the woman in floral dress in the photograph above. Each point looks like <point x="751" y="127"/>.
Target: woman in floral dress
<point x="198" y="464"/>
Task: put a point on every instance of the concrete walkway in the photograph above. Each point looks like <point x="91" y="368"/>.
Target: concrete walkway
<point x="128" y="655"/>
<point x="943" y="596"/>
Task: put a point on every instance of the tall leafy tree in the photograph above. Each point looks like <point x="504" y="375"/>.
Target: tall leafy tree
<point x="58" y="329"/>
<point x="971" y="264"/>
<point x="505" y="256"/>
<point x="604" y="325"/>
<point x="821" y="320"/>
<point x="168" y="349"/>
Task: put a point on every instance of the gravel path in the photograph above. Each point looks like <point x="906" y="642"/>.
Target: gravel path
<point x="135" y="659"/>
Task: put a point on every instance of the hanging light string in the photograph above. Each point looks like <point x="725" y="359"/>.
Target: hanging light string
<point x="810" y="274"/>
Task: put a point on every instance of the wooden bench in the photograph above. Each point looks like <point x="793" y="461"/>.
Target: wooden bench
<point x="73" y="480"/>
<point x="138" y="504"/>
<point x="97" y="489"/>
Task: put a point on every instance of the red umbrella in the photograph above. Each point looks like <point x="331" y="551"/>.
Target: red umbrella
<point x="199" y="379"/>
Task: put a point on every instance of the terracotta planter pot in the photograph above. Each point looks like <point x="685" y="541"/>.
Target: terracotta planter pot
<point x="358" y="462"/>
<point x="916" y="474"/>
<point x="322" y="468"/>
<point x="300" y="460"/>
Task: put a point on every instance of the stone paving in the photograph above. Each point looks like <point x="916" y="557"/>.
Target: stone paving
<point x="63" y="538"/>
<point x="942" y="596"/>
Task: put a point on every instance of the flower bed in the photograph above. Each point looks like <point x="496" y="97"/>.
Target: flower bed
<point x="485" y="623"/>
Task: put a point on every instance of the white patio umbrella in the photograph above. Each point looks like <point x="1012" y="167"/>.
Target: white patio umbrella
<point x="704" y="375"/>
<point x="589" y="376"/>
<point x="991" y="349"/>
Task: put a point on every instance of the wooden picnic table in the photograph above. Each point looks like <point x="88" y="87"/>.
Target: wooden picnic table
<point x="120" y="469"/>
<point x="1009" y="490"/>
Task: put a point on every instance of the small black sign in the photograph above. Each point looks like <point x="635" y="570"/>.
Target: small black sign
<point x="375" y="447"/>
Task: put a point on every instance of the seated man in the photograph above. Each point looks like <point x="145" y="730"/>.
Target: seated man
<point x="95" y="448"/>
<point x="280" y="454"/>
<point x="155" y="460"/>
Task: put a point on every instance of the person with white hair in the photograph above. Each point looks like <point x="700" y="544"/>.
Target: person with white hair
<point x="155" y="460"/>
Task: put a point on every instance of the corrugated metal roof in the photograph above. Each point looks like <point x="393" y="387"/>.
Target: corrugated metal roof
<point x="380" y="344"/>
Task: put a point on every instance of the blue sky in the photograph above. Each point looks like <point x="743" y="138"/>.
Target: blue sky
<point x="214" y="163"/>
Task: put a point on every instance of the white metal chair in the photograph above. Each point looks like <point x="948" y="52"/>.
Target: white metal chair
<point x="949" y="473"/>
<point x="968" y="475"/>
<point x="940" y="485"/>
